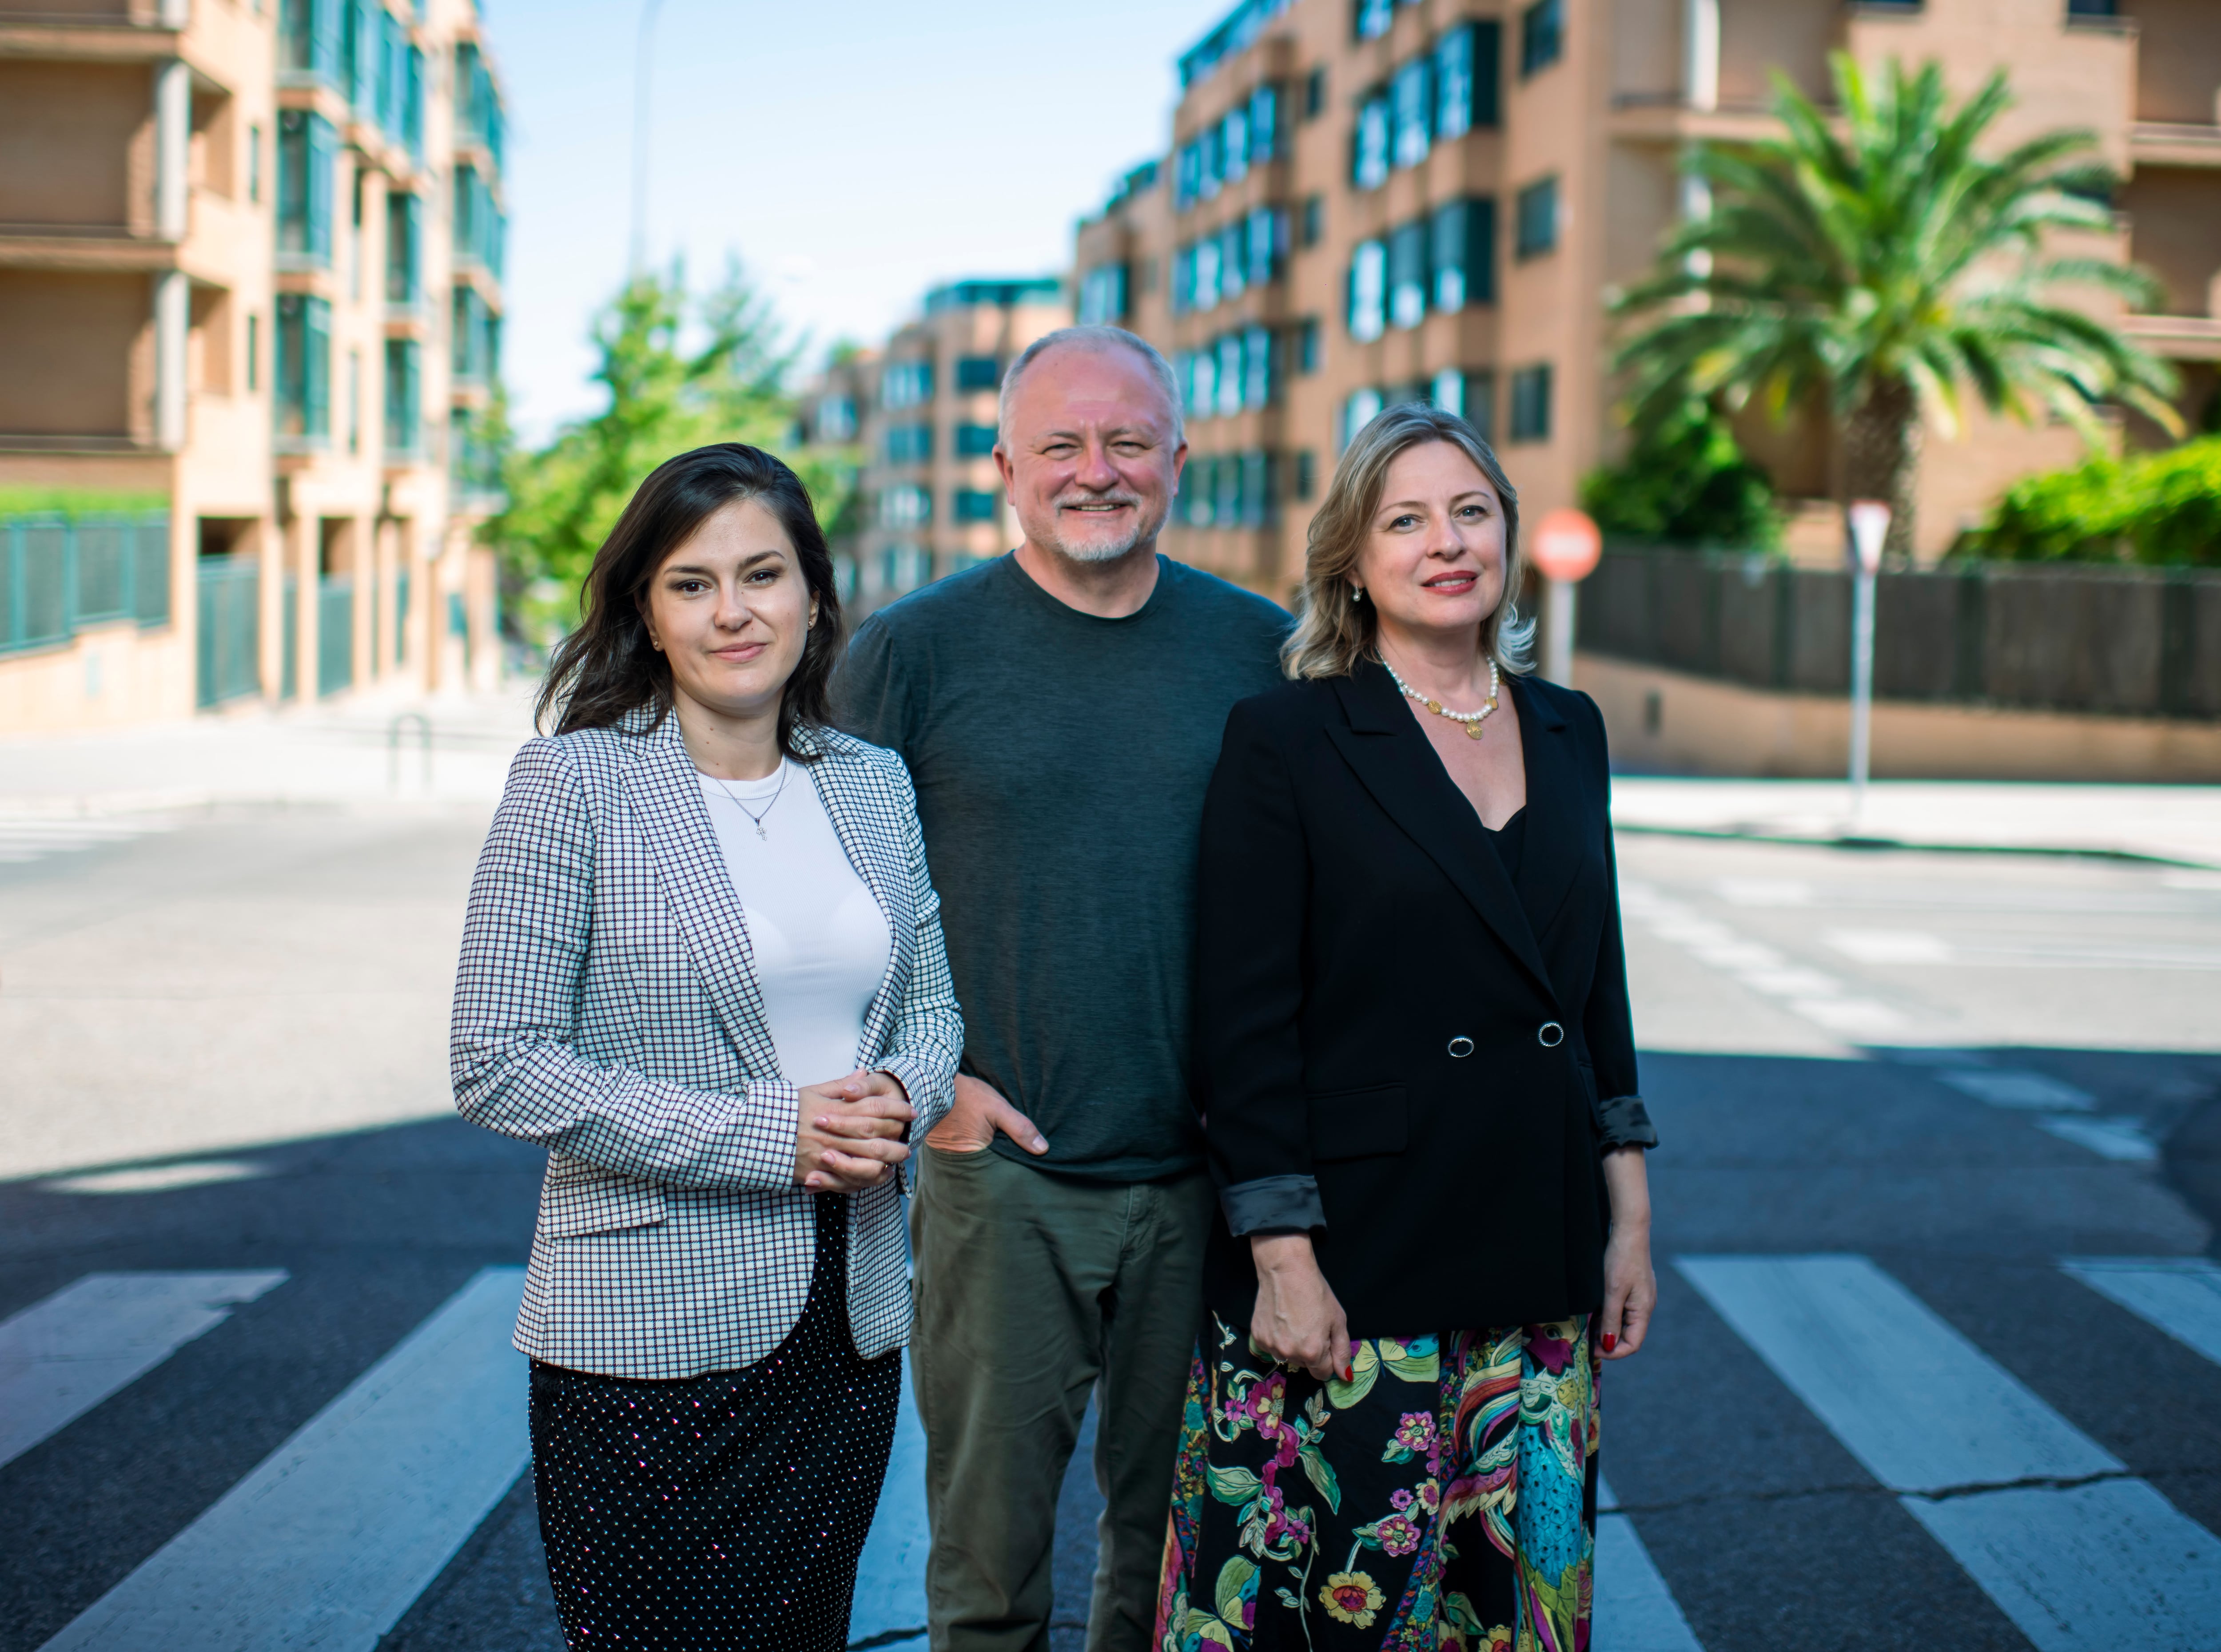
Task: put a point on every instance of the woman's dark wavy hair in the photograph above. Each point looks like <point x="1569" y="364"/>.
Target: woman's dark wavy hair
<point x="607" y="668"/>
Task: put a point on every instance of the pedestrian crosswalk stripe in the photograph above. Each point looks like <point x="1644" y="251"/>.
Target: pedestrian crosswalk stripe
<point x="62" y="1356"/>
<point x="2179" y="1295"/>
<point x="890" y="1598"/>
<point x="34" y="838"/>
<point x="2087" y="1568"/>
<point x="1634" y="1610"/>
<point x="328" y="1542"/>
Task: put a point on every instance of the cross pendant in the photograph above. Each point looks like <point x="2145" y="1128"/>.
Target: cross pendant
<point x="760" y="833"/>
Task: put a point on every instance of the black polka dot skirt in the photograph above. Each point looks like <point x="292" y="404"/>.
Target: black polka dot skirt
<point x="723" y="1512"/>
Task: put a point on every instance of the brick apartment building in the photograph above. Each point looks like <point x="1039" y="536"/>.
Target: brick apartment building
<point x="250" y="291"/>
<point x="920" y="412"/>
<point x="1369" y="201"/>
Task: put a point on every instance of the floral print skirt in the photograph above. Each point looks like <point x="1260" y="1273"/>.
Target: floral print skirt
<point x="1445" y="1496"/>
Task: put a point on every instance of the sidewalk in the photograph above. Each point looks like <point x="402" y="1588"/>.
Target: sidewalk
<point x="2181" y="823"/>
<point x="349" y="754"/>
<point x="370" y="747"/>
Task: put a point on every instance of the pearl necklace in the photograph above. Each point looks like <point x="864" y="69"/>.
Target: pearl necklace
<point x="1472" y="720"/>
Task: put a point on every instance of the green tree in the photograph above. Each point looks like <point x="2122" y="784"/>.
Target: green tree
<point x="1685" y="482"/>
<point x="1883" y="268"/>
<point x="680" y="371"/>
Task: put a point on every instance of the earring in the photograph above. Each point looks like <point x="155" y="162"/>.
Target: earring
<point x="1357" y="594"/>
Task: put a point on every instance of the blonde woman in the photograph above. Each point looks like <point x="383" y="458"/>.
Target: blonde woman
<point x="1418" y="1076"/>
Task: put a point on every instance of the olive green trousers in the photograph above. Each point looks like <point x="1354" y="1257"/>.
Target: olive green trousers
<point x="1035" y="1290"/>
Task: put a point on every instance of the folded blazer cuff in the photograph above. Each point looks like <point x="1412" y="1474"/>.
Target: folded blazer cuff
<point x="1283" y="1204"/>
<point x="1626" y="1122"/>
<point x="918" y="1085"/>
<point x="771" y="1117"/>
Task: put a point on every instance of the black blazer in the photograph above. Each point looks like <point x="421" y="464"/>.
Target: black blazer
<point x="1398" y="1045"/>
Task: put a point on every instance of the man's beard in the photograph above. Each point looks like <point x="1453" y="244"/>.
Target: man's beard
<point x="1109" y="550"/>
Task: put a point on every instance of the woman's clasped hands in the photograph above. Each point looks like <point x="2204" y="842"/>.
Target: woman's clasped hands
<point x="848" y="1133"/>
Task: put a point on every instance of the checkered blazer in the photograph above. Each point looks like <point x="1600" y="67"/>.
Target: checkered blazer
<point x="607" y="1008"/>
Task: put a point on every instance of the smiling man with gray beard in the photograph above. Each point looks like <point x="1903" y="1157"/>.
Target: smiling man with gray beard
<point x="1061" y="710"/>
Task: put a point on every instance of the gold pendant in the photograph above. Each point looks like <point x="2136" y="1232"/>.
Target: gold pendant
<point x="1472" y="730"/>
<point x="1435" y="707"/>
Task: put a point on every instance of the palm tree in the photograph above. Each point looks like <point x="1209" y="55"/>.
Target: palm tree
<point x="1883" y="268"/>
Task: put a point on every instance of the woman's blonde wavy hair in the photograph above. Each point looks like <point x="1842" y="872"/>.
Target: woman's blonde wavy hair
<point x="1335" y="634"/>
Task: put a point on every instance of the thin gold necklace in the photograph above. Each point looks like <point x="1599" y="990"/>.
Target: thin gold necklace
<point x="1471" y="720"/>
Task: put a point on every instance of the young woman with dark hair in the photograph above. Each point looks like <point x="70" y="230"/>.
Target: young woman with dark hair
<point x="703" y="967"/>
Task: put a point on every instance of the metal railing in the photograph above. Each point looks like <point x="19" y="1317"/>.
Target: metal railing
<point x="58" y="573"/>
<point x="229" y="655"/>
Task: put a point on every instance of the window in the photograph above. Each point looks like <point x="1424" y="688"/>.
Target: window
<point x="254" y="353"/>
<point x="404" y="252"/>
<point x="1233" y="260"/>
<point x="1407" y="274"/>
<point x="309" y="40"/>
<point x="1537" y="213"/>
<point x="2093" y="8"/>
<point x="1314" y="93"/>
<point x="354" y="401"/>
<point x="1307" y="352"/>
<point x="1479" y="405"/>
<point x="974" y="505"/>
<point x="1368" y="291"/>
<point x="1358" y="410"/>
<point x="1530" y="404"/>
<point x="906" y="384"/>
<point x="412" y="101"/>
<point x="307" y="150"/>
<point x="1188" y="176"/>
<point x="254" y="163"/>
<point x="1260" y="379"/>
<point x="905" y="567"/>
<point x="475" y="337"/>
<point x="974" y="441"/>
<point x="1268" y="244"/>
<point x="909" y="444"/>
<point x="1259" y="475"/>
<point x="1304" y="466"/>
<point x="979" y="373"/>
<point x="1206" y="274"/>
<point x="478" y="226"/>
<point x="1103" y="296"/>
<point x="1373" y="18"/>
<point x="403" y="383"/>
<point x="1542" y="35"/>
<point x="1231" y="379"/>
<point x="1182" y="296"/>
<point x="1234" y="145"/>
<point x="1368" y="148"/>
<point x="1411" y="103"/>
<point x="906" y="505"/>
<point x="1198" y="372"/>
<point x="1314" y="220"/>
<point x="1264" y="124"/>
<point x="1464" y="254"/>
<point x="303" y="371"/>
<point x="837" y="419"/>
<point x="1210" y="163"/>
<point x="1465" y="71"/>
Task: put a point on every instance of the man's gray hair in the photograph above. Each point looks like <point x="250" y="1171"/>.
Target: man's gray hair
<point x="1092" y="338"/>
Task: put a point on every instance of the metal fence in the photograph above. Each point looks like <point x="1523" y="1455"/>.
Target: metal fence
<point x="58" y="573"/>
<point x="229" y="657"/>
<point x="2125" y="641"/>
<point x="334" y="632"/>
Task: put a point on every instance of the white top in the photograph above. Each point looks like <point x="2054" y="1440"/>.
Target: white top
<point x="820" y="940"/>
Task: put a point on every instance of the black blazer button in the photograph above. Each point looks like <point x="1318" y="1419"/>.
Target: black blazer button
<point x="1550" y="1035"/>
<point x="1461" y="1047"/>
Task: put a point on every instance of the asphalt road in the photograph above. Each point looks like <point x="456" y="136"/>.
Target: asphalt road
<point x="1913" y="1084"/>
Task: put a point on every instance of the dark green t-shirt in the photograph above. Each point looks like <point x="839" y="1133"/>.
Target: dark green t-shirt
<point x="1060" y="762"/>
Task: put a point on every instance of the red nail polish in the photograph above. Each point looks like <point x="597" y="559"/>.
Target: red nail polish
<point x="1611" y="1342"/>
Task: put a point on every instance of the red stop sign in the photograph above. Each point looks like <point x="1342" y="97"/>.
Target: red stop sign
<point x="1565" y="545"/>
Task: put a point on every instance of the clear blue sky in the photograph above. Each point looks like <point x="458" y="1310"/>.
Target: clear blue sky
<point x="851" y="154"/>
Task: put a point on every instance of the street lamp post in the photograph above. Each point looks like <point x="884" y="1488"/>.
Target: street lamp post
<point x="1869" y="521"/>
<point x="643" y="65"/>
<point x="1566" y="547"/>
